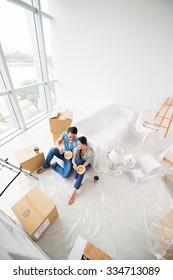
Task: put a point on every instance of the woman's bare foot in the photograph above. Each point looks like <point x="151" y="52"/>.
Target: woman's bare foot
<point x="71" y="200"/>
<point x="72" y="196"/>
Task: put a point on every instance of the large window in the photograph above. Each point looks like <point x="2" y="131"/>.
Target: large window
<point x="27" y="78"/>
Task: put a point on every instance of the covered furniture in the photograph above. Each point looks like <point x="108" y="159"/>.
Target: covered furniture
<point x="106" y="128"/>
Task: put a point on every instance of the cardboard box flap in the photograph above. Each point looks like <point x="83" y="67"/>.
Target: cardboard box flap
<point x="68" y="115"/>
<point x="62" y="115"/>
<point x="27" y="153"/>
<point x="60" y="122"/>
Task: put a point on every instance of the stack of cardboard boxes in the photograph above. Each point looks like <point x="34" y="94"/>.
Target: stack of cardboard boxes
<point x="59" y="123"/>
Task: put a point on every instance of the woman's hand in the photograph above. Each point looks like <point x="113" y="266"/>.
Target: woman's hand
<point x="75" y="166"/>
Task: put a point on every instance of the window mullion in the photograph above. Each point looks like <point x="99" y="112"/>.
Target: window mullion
<point x="42" y="54"/>
<point x="15" y="112"/>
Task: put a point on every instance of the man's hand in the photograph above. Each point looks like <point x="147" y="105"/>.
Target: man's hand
<point x="61" y="150"/>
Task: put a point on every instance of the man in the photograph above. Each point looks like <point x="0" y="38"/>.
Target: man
<point x="66" y="142"/>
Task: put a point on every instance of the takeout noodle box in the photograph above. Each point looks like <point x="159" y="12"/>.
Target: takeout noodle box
<point x="36" y="212"/>
<point x="29" y="159"/>
<point x="60" y="122"/>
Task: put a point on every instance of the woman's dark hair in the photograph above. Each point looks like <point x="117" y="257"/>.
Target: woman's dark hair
<point x="83" y="140"/>
<point x="72" y="129"/>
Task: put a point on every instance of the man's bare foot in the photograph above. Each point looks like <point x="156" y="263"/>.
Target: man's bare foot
<point x="41" y="170"/>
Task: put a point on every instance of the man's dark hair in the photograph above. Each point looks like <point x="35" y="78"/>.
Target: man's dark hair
<point x="72" y="129"/>
<point x="83" y="140"/>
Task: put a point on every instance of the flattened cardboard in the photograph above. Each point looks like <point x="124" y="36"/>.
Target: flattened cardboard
<point x="29" y="159"/>
<point x="36" y="212"/>
<point x="60" y="122"/>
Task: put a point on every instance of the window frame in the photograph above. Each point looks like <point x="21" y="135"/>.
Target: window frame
<point x="41" y="67"/>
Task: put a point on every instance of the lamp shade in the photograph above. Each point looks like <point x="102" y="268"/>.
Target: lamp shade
<point x="115" y="157"/>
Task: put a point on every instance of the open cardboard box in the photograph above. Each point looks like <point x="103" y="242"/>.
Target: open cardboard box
<point x="36" y="212"/>
<point x="84" y="250"/>
<point x="93" y="253"/>
<point x="60" y="122"/>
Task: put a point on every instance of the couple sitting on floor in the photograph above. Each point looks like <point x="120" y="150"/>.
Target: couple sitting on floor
<point x="82" y="155"/>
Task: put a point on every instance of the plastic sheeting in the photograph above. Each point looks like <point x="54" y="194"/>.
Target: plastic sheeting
<point x="115" y="214"/>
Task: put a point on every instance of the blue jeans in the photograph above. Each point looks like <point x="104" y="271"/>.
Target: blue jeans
<point x="77" y="176"/>
<point x="63" y="171"/>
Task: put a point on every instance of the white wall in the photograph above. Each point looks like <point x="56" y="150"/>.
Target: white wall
<point x="114" y="50"/>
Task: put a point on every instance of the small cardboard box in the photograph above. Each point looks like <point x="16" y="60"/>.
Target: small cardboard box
<point x="60" y="122"/>
<point x="36" y="212"/>
<point x="93" y="253"/>
<point x="29" y="159"/>
<point x="169" y="180"/>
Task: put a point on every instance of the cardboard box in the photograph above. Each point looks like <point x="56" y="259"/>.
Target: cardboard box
<point x="169" y="180"/>
<point x="55" y="137"/>
<point x="29" y="159"/>
<point x="60" y="122"/>
<point x="84" y="250"/>
<point x="93" y="253"/>
<point x="36" y="212"/>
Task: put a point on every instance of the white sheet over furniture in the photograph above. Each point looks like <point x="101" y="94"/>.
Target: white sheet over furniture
<point x="105" y="129"/>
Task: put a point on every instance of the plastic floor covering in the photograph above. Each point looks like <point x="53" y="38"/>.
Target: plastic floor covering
<point x="115" y="214"/>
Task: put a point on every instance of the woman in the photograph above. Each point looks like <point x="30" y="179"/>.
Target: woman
<point x="83" y="155"/>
